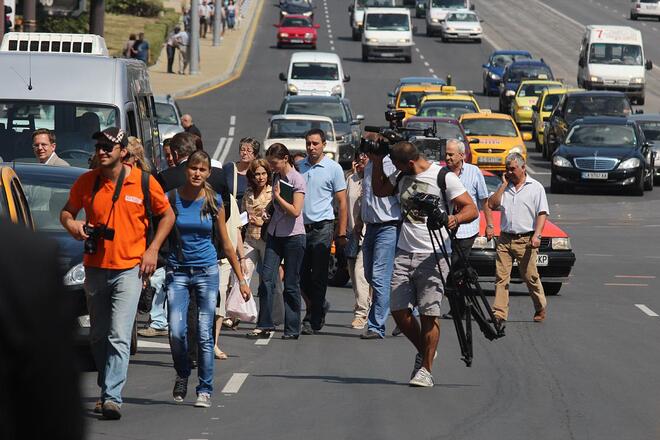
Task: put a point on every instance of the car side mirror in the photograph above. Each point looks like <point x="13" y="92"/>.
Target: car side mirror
<point x="350" y="8"/>
<point x="526" y="136"/>
<point x="359" y="118"/>
<point x="485" y="66"/>
<point x="648" y="65"/>
<point x="510" y="93"/>
<point x="481" y="20"/>
<point x="282" y="77"/>
<point x="472" y="8"/>
<point x="347" y="78"/>
<point x="474" y="141"/>
<point x="391" y="95"/>
<point x="317" y="26"/>
<point x="581" y="62"/>
<point x="639" y="111"/>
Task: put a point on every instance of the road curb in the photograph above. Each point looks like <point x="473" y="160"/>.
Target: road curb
<point x="236" y="66"/>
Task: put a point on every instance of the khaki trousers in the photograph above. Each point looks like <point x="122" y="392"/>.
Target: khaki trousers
<point x="361" y="287"/>
<point x="509" y="248"/>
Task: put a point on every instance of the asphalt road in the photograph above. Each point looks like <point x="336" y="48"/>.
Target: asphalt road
<point x="588" y="372"/>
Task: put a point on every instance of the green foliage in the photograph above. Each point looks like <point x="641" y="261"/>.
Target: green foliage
<point x="139" y="8"/>
<point x="66" y="25"/>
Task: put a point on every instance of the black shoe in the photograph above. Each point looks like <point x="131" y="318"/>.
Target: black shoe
<point x="307" y="328"/>
<point x="370" y="334"/>
<point x="326" y="309"/>
<point x="397" y="331"/>
<point x="180" y="388"/>
<point x="111" y="410"/>
<point x="288" y="337"/>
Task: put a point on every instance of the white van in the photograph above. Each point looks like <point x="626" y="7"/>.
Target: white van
<point x="357" y="13"/>
<point x="315" y="73"/>
<point x="69" y="84"/>
<point x="612" y="58"/>
<point x="290" y="130"/>
<point x="388" y="33"/>
<point x="436" y="11"/>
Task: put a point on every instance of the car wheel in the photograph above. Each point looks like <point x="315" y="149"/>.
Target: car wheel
<point x="365" y="55"/>
<point x="555" y="186"/>
<point x="551" y="288"/>
<point x="477" y="40"/>
<point x="279" y="45"/>
<point x="134" y="339"/>
<point x="429" y="32"/>
<point x="537" y="145"/>
<point x="337" y="271"/>
<point x="356" y="35"/>
<point x="648" y="183"/>
<point x="633" y="16"/>
<point x="313" y="46"/>
<point x="484" y="90"/>
<point x="640" y="101"/>
<point x="638" y="189"/>
<point x="407" y="59"/>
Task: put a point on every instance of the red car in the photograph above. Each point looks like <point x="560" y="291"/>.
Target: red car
<point x="555" y="257"/>
<point x="297" y="30"/>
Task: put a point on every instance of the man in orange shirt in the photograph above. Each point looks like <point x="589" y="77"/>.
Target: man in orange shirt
<point x="117" y="255"/>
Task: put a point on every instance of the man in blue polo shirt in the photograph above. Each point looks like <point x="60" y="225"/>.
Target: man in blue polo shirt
<point x="325" y="183"/>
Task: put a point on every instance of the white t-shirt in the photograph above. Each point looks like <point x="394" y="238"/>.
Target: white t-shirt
<point x="414" y="236"/>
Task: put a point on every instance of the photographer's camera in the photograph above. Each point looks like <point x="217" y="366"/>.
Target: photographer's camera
<point x="95" y="234"/>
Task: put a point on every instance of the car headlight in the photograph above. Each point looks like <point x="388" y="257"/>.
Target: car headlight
<point x="478" y="30"/>
<point x="561" y="244"/>
<point x="75" y="276"/>
<point x="595" y="79"/>
<point x="526" y="107"/>
<point x="517" y="149"/>
<point x="285" y="13"/>
<point x="284" y="35"/>
<point x="336" y="90"/>
<point x="309" y="35"/>
<point x="330" y="155"/>
<point x="637" y="80"/>
<point x="435" y="20"/>
<point x="494" y="76"/>
<point x="404" y="40"/>
<point x="307" y="14"/>
<point x="561" y="162"/>
<point x="483" y="243"/>
<point x="450" y="29"/>
<point x="291" y="88"/>
<point x="372" y="40"/>
<point x="629" y="164"/>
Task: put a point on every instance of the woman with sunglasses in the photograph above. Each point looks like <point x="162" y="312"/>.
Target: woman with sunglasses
<point x="285" y="241"/>
<point x="192" y="269"/>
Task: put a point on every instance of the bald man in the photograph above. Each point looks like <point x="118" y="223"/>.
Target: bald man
<point x="189" y="127"/>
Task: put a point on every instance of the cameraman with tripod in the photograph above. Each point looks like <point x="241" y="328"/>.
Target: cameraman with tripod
<point x="415" y="279"/>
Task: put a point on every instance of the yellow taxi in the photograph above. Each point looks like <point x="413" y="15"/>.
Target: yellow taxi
<point x="13" y="204"/>
<point x="449" y="103"/>
<point x="542" y="109"/>
<point x="526" y="97"/>
<point x="492" y="136"/>
<point x="409" y="96"/>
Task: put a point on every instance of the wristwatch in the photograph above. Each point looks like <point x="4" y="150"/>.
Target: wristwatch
<point x="539" y="236"/>
<point x="490" y="226"/>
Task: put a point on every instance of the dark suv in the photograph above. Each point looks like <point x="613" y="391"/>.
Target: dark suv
<point x="515" y="73"/>
<point x="576" y="105"/>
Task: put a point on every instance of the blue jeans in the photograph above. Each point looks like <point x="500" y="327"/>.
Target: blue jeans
<point x="112" y="299"/>
<point x="378" y="249"/>
<point x="291" y="250"/>
<point x="158" y="312"/>
<point x="315" y="270"/>
<point x="180" y="284"/>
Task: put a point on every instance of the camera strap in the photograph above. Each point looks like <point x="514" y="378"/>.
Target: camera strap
<point x="115" y="195"/>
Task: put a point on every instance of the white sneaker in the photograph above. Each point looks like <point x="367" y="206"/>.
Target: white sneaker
<point x="203" y="400"/>
<point x="422" y="379"/>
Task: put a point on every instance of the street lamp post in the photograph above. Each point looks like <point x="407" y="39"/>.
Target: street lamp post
<point x="217" y="10"/>
<point x="97" y="17"/>
<point x="29" y="15"/>
<point x="194" y="37"/>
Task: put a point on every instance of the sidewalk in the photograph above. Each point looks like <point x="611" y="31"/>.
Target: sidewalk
<point x="217" y="64"/>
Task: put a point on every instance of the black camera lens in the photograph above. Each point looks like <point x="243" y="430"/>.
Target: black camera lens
<point x="90" y="246"/>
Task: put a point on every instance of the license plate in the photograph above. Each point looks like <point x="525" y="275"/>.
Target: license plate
<point x="541" y="260"/>
<point x="598" y="176"/>
<point x="296" y="40"/>
<point x="489" y="160"/>
<point x="387" y="55"/>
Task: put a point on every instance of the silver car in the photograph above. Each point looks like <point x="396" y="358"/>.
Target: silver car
<point x="644" y="8"/>
<point x="461" y="25"/>
<point x="168" y="117"/>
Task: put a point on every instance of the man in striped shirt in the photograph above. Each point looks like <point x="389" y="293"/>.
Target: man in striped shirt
<point x="475" y="184"/>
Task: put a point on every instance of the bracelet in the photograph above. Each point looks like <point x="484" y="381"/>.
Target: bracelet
<point x="490" y="226"/>
<point x="241" y="258"/>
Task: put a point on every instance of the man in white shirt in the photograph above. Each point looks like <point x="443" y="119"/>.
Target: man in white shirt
<point x="415" y="278"/>
<point x="43" y="144"/>
<point x="204" y="18"/>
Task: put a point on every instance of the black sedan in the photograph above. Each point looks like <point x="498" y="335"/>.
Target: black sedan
<point x="650" y="125"/>
<point x="296" y="7"/>
<point x="604" y="151"/>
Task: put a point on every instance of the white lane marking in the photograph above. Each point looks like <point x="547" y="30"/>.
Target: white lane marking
<point x="232" y="120"/>
<point x="264" y="341"/>
<point x="426" y="63"/>
<point x="421" y="57"/>
<point x="215" y="418"/>
<point x="626" y="285"/>
<point x="643" y="24"/>
<point x="225" y="152"/>
<point x="491" y="42"/>
<point x="432" y="71"/>
<point x="417" y="49"/>
<point x="151" y="344"/>
<point x="234" y="383"/>
<point x="434" y="75"/>
<point x="598" y="255"/>
<point x="646" y="310"/>
<point x="230" y="133"/>
<point x="332" y="48"/>
<point x="564" y="16"/>
<point x="219" y="149"/>
<point x="645" y="277"/>
<point x="654" y="28"/>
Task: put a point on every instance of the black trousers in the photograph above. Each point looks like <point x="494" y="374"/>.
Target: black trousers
<point x="170" y="58"/>
<point x="314" y="271"/>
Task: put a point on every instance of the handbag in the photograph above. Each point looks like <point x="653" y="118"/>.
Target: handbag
<point x="238" y="308"/>
<point x="146" y="298"/>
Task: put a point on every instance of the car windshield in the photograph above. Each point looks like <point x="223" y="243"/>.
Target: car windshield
<point x="410" y="99"/>
<point x="614" y="53"/>
<point x="517" y="74"/>
<point x="296" y="128"/>
<point x="296" y="22"/>
<point x="452" y="4"/>
<point x="651" y="130"/>
<point x="433" y="149"/>
<point x="46" y="196"/>
<point x="492" y="183"/>
<point x="387" y="22"/>
<point x="315" y="71"/>
<point x="550" y="102"/>
<point x="527" y="90"/>
<point x="166" y="114"/>
<point x="579" y="106"/>
<point x="503" y="59"/>
<point x="601" y="135"/>
<point x="73" y="125"/>
<point x="304" y="3"/>
<point x="444" y="130"/>
<point x="375" y="3"/>
<point x="332" y="110"/>
<point x="463" y="16"/>
<point x="446" y="109"/>
<point x="489" y="127"/>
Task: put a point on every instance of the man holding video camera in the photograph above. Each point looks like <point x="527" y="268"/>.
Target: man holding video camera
<point x="415" y="279"/>
<point x="117" y="258"/>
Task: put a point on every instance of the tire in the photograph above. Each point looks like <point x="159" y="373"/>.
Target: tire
<point x="648" y="181"/>
<point x="279" y="45"/>
<point x="484" y="90"/>
<point x="633" y="16"/>
<point x="365" y="55"/>
<point x="429" y="32"/>
<point x="551" y="288"/>
<point x="134" y="339"/>
<point x="537" y="145"/>
<point x="337" y="271"/>
<point x="356" y="35"/>
<point x="478" y="40"/>
<point x="555" y="186"/>
<point x="313" y="46"/>
<point x="407" y="59"/>
<point x="640" y="101"/>
<point x="638" y="189"/>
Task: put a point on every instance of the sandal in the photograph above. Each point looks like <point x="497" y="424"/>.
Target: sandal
<point x="234" y="325"/>
<point x="258" y="333"/>
<point x="219" y="354"/>
<point x="227" y="323"/>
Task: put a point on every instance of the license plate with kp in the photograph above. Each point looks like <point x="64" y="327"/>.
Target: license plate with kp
<point x="541" y="260"/>
<point x="597" y="176"/>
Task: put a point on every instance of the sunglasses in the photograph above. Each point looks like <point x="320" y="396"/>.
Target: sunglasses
<point x="106" y="148"/>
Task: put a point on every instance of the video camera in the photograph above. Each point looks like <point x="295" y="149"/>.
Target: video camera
<point x="96" y="233"/>
<point x="396" y="132"/>
<point x="432" y="207"/>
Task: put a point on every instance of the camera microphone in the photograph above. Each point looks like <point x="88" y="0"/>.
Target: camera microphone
<point x="372" y="128"/>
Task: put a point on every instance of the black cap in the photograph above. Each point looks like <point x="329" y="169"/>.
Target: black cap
<point x="112" y="136"/>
